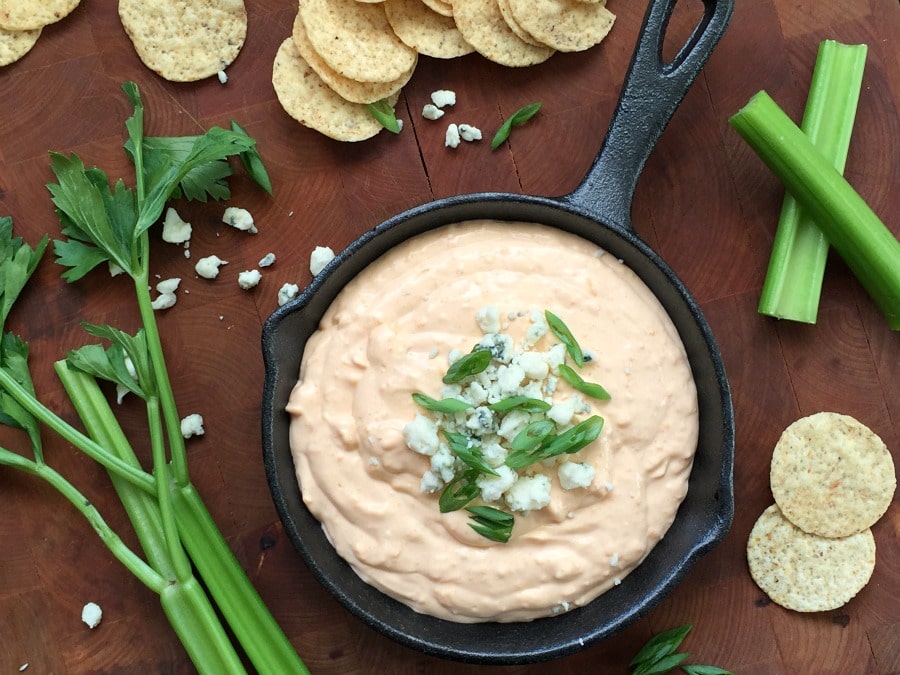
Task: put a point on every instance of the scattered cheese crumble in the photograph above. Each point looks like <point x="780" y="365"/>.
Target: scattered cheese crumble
<point x="249" y="279"/>
<point x="175" y="230"/>
<point x="239" y="219"/>
<point x="469" y="133"/>
<point x="192" y="425"/>
<point x="451" y="137"/>
<point x="267" y="260"/>
<point x="443" y="97"/>
<point x="319" y="258"/>
<point x="223" y="78"/>
<point x="166" y="297"/>
<point x="432" y="112"/>
<point x="287" y="293"/>
<point x="208" y="267"/>
<point x="91" y="614"/>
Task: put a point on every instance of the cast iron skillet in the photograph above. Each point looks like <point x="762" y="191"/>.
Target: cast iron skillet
<point x="598" y="210"/>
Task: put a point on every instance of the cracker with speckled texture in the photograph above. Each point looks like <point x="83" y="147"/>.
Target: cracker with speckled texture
<point x="33" y="14"/>
<point x="440" y="6"/>
<point x="14" y="44"/>
<point x="185" y="41"/>
<point x="356" y="40"/>
<point x="356" y="92"/>
<point x="805" y="572"/>
<point x="482" y="26"/>
<point x="425" y="30"/>
<point x="831" y="475"/>
<point x="564" y="25"/>
<point x="506" y="12"/>
<point x="306" y="98"/>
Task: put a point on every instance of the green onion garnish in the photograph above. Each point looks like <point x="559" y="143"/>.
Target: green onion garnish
<point x="448" y="406"/>
<point x="471" y="364"/>
<point x="383" y="112"/>
<point x="459" y="491"/>
<point x="471" y="455"/>
<point x="568" y="442"/>
<point x="522" y="115"/>
<point x="524" y="403"/>
<point x="564" y="335"/>
<point x="589" y="388"/>
<point x="491" y="523"/>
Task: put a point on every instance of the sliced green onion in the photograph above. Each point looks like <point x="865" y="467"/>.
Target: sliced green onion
<point x="524" y="403"/>
<point x="588" y="388"/>
<point x="568" y="442"/>
<point x="491" y="523"/>
<point x="868" y="247"/>
<point x="796" y="269"/>
<point x="383" y="112"/>
<point x="459" y="491"/>
<point x="564" y="335"/>
<point x="471" y="455"/>
<point x="522" y="115"/>
<point x="445" y="405"/>
<point x="531" y="436"/>
<point x="471" y="364"/>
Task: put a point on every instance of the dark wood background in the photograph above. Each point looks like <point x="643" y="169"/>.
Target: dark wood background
<point x="704" y="201"/>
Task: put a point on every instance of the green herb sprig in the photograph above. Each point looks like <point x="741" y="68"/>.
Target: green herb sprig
<point x="660" y="655"/>
<point x="384" y="114"/>
<point x="522" y="115"/>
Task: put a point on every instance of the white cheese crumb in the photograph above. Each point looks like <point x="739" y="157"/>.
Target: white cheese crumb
<point x="249" y="279"/>
<point x="529" y="493"/>
<point x="493" y="487"/>
<point x="562" y="412"/>
<point x="175" y="230"/>
<point x="267" y="260"/>
<point x="433" y="354"/>
<point x="91" y="614"/>
<point x="451" y="137"/>
<point x="421" y="435"/>
<point x="319" y="258"/>
<point x="166" y="297"/>
<point x="443" y="97"/>
<point x="430" y="482"/>
<point x="614" y="560"/>
<point x="23" y="667"/>
<point x="399" y="125"/>
<point x="432" y="112"/>
<point x="575" y="475"/>
<point x="469" y="133"/>
<point x="208" y="267"/>
<point x="533" y="364"/>
<point x="287" y="293"/>
<point x="239" y="219"/>
<point x="223" y="78"/>
<point x="120" y="390"/>
<point x="488" y="319"/>
<point x="617" y="581"/>
<point x="192" y="425"/>
<point x="114" y="269"/>
<point x="443" y="463"/>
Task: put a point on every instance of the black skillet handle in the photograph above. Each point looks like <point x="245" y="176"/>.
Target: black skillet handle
<point x="652" y="91"/>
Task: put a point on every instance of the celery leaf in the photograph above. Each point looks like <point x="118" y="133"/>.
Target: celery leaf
<point x="14" y="360"/>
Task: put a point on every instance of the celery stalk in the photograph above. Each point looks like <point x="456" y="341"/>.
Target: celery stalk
<point x="796" y="269"/>
<point x="868" y="247"/>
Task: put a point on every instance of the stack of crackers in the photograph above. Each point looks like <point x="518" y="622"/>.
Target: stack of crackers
<point x="343" y="55"/>
<point x="21" y="23"/>
<point x="832" y="479"/>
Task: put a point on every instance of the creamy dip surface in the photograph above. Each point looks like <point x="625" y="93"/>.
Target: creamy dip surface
<point x="388" y="335"/>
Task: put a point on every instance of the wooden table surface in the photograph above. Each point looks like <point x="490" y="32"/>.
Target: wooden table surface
<point x="704" y="201"/>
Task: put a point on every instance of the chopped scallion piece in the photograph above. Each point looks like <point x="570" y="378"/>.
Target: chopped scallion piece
<point x="522" y="115"/>
<point x="471" y="455"/>
<point x="564" y="335"/>
<point x="459" y="491"/>
<point x="491" y="523"/>
<point x="588" y="388"/>
<point x="523" y="403"/>
<point x="471" y="364"/>
<point x="383" y="112"/>
<point x="445" y="405"/>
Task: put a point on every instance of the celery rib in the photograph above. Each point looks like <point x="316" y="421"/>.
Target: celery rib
<point x="793" y="282"/>
<point x="865" y="243"/>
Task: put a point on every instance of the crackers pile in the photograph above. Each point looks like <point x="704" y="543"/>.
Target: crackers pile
<point x="832" y="479"/>
<point x="185" y="40"/>
<point x="345" y="54"/>
<point x="21" y="23"/>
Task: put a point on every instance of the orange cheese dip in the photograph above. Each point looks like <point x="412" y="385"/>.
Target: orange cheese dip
<point x="388" y="335"/>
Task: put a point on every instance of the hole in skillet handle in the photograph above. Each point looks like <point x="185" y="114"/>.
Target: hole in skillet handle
<point x="705" y="515"/>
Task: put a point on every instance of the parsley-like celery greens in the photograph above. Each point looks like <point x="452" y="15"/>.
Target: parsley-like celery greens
<point x="793" y="283"/>
<point x="849" y="224"/>
<point x="184" y="552"/>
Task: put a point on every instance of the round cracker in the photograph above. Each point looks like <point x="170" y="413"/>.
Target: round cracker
<point x="33" y="14"/>
<point x="14" y="44"/>
<point x="353" y="91"/>
<point x="482" y="26"/>
<point x="831" y="475"/>
<point x="425" y="30"/>
<point x="565" y="25"/>
<point x="511" y="22"/>
<point x="440" y="6"/>
<point x="805" y="572"/>
<point x="306" y="98"/>
<point x="185" y="41"/>
<point x="356" y="40"/>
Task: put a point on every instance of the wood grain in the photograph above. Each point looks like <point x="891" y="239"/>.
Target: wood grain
<point x="704" y="201"/>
